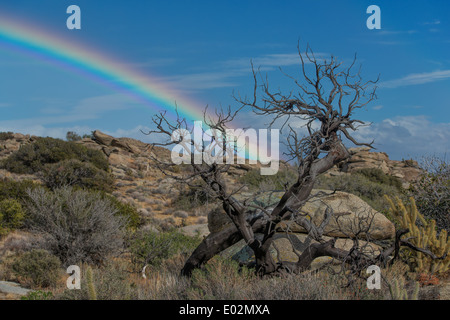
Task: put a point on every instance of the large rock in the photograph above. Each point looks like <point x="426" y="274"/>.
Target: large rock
<point x="351" y="217"/>
<point x="284" y="245"/>
<point x="200" y="230"/>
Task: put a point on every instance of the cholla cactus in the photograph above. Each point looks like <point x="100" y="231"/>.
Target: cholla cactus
<point x="92" y="293"/>
<point x="398" y="291"/>
<point x="422" y="235"/>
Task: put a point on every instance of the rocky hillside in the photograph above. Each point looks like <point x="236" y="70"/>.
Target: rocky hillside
<point x="362" y="158"/>
<point x="139" y="182"/>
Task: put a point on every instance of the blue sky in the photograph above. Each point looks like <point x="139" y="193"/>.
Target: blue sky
<point x="203" y="49"/>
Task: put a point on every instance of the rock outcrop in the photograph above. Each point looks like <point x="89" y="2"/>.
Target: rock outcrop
<point x="362" y="158"/>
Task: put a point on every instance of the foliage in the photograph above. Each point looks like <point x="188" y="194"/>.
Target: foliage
<point x="38" y="268"/>
<point x="125" y="210"/>
<point x="432" y="191"/>
<point x="278" y="181"/>
<point x="73" y="172"/>
<point x="423" y="235"/>
<point x="12" y="214"/>
<point x="151" y="248"/>
<point x="32" y="157"/>
<point x="191" y="198"/>
<point x="38" y="295"/>
<point x="78" y="225"/>
<point x="17" y="190"/>
<point x="72" y="136"/>
<point x="362" y="186"/>
<point x="377" y="175"/>
<point x="6" y="136"/>
<point x="220" y="279"/>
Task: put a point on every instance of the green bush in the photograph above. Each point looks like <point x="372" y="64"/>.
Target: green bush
<point x="76" y="173"/>
<point x="362" y="186"/>
<point x="151" y="248"/>
<point x="11" y="189"/>
<point x="278" y="181"/>
<point x="38" y="268"/>
<point x="72" y="136"/>
<point x="6" y="136"/>
<point x="191" y="198"/>
<point x="12" y="214"/>
<point x="31" y="158"/>
<point x="38" y="295"/>
<point x="126" y="211"/>
<point x="377" y="175"/>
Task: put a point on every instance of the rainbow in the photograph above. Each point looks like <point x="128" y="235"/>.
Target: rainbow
<point x="100" y="67"/>
<point x="95" y="65"/>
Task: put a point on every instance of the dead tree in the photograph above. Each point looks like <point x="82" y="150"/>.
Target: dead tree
<point x="325" y="101"/>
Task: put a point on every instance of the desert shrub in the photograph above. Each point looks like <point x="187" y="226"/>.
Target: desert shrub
<point x="110" y="282"/>
<point x="73" y="172"/>
<point x="191" y="198"/>
<point x="377" y="175"/>
<point x="77" y="225"/>
<point x="17" y="190"/>
<point x="278" y="181"/>
<point x="38" y="268"/>
<point x="6" y="136"/>
<point x="127" y="211"/>
<point x="31" y="158"/>
<point x="360" y="185"/>
<point x="220" y="279"/>
<point x="151" y="248"/>
<point x="432" y="191"/>
<point x="12" y="214"/>
<point x="38" y="295"/>
<point x="72" y="136"/>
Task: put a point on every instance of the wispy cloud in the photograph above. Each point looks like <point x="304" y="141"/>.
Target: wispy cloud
<point x="434" y="22"/>
<point x="203" y="80"/>
<point x="151" y="63"/>
<point x="86" y="109"/>
<point x="226" y="73"/>
<point x="385" y="32"/>
<point x="416" y="78"/>
<point x="5" y="104"/>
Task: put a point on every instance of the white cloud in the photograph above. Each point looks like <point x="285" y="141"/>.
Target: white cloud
<point x="416" y="78"/>
<point x="407" y="136"/>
